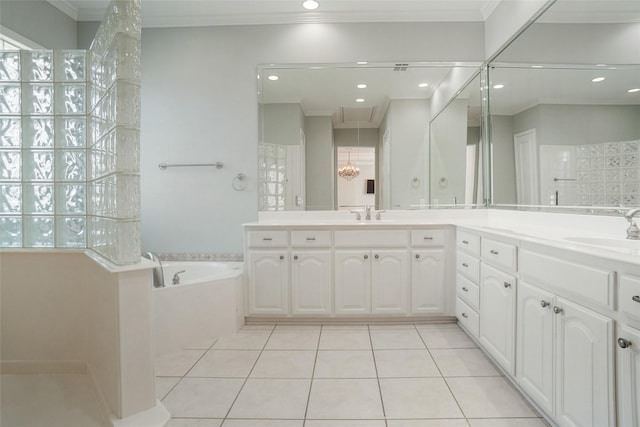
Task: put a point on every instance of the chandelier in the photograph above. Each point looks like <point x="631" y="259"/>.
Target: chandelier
<point x="348" y="171"/>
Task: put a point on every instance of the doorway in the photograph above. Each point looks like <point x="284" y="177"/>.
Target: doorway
<point x="358" y="191"/>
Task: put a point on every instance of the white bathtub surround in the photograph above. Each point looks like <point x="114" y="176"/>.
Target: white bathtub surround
<point x="199" y="257"/>
<point x="71" y="312"/>
<point x="206" y="304"/>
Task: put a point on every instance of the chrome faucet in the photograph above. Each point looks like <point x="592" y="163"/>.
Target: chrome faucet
<point x="633" y="232"/>
<point x="367" y="210"/>
<point x="379" y="215"/>
<point x="358" y="215"/>
<point x="176" y="277"/>
<point x="158" y="276"/>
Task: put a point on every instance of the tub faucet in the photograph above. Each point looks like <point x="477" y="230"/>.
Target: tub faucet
<point x="633" y="232"/>
<point x="158" y="276"/>
<point x="176" y="277"/>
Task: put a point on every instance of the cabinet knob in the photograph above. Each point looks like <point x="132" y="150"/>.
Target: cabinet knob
<point x="557" y="310"/>
<point x="311" y="238"/>
<point x="544" y="303"/>
<point x="366" y="257"/>
<point x="465" y="289"/>
<point x="464" y="315"/>
<point x="624" y="343"/>
<point x="267" y="239"/>
<point x="376" y="256"/>
<point x="507" y="284"/>
<point x="464" y="264"/>
<point x="281" y="256"/>
<point x="493" y="252"/>
<point x="428" y="238"/>
<point x="417" y="256"/>
<point x="295" y="257"/>
<point x="636" y="298"/>
<point x="465" y="242"/>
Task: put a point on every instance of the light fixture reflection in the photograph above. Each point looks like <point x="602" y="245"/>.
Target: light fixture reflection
<point x="310" y="4"/>
<point x="634" y="90"/>
<point x="423" y="85"/>
<point x="598" y="79"/>
<point x="273" y="78"/>
<point x="498" y="86"/>
<point x="359" y="100"/>
<point x="361" y="86"/>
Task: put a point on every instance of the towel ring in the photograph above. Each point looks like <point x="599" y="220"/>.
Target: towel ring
<point x="239" y="182"/>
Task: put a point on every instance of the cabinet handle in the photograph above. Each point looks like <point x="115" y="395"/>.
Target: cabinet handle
<point x="428" y="238"/>
<point x="311" y="238"/>
<point x="465" y="289"/>
<point x="464" y="315"/>
<point x="624" y="343"/>
<point x="281" y="256"/>
<point x="557" y="310"/>
<point x="376" y="256"/>
<point x="464" y="264"/>
<point x="544" y="303"/>
<point x="493" y="252"/>
<point x="295" y="257"/>
<point x="267" y="239"/>
<point x="366" y="257"/>
<point x="636" y="298"/>
<point x="507" y="284"/>
<point x="417" y="256"/>
<point x="465" y="242"/>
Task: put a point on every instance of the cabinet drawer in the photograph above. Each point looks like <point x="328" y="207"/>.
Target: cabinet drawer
<point x="310" y="238"/>
<point x="585" y="282"/>
<point x="428" y="238"/>
<point x="468" y="242"/>
<point x="267" y="239"/>
<point x="468" y="266"/>
<point x="468" y="291"/>
<point x="468" y="317"/>
<point x="629" y="296"/>
<point x="367" y="239"/>
<point x="499" y="254"/>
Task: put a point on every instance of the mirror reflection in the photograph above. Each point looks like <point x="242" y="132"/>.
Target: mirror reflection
<point x="318" y="120"/>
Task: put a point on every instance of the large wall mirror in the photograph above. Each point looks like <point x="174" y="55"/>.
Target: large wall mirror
<point x="342" y="136"/>
<point x="564" y="112"/>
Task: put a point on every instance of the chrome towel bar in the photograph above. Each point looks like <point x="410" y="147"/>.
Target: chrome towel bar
<point x="163" y="166"/>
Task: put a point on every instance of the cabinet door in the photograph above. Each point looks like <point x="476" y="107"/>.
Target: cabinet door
<point x="268" y="282"/>
<point x="352" y="282"/>
<point x="628" y="359"/>
<point x="584" y="367"/>
<point x="311" y="282"/>
<point x="497" y="315"/>
<point x="428" y="294"/>
<point x="534" y="370"/>
<point x="389" y="282"/>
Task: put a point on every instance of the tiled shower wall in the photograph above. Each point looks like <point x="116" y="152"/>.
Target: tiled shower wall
<point x="608" y="174"/>
<point x="69" y="143"/>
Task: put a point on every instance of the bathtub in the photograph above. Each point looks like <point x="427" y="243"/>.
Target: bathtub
<point x="205" y="305"/>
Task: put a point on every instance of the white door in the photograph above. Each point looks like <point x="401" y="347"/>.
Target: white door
<point x="311" y="282"/>
<point x="389" y="282"/>
<point x="534" y="370"/>
<point x="628" y="359"/>
<point x="428" y="281"/>
<point x="352" y="282"/>
<point x="584" y="367"/>
<point x="526" y="153"/>
<point x="497" y="315"/>
<point x="268" y="282"/>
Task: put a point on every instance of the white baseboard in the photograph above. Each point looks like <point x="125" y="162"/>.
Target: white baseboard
<point x="33" y="367"/>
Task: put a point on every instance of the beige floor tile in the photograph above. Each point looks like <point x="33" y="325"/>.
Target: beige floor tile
<point x="263" y="423"/>
<point x="299" y="327"/>
<point x="164" y="385"/>
<point x="437" y="325"/>
<point x="177" y="364"/>
<point x="427" y="423"/>
<point x="258" y="327"/>
<point x="187" y="422"/>
<point x="345" y="364"/>
<point x="489" y="397"/>
<point x="225" y="364"/>
<point x="345" y="423"/>
<point x="244" y="339"/>
<point x="48" y="400"/>
<point x="272" y="398"/>
<point x="396" y="339"/>
<point x="344" y="399"/>
<point x="405" y="364"/>
<point x="508" y="422"/>
<point x="202" y="397"/>
<point x="393" y="326"/>
<point x="347" y="326"/>
<point x="284" y="364"/>
<point x="411" y="398"/>
<point x="202" y="345"/>
<point x="293" y="339"/>
<point x="463" y="362"/>
<point x="446" y="338"/>
<point x="345" y="340"/>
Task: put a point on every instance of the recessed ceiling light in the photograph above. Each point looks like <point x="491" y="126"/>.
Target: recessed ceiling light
<point x="597" y="79"/>
<point x="273" y="78"/>
<point x="537" y="66"/>
<point x="634" y="90"/>
<point x="310" y="4"/>
<point x="360" y="100"/>
<point x="361" y="86"/>
<point x="361" y="62"/>
<point x="498" y="86"/>
<point x="423" y="84"/>
<point x="601" y="65"/>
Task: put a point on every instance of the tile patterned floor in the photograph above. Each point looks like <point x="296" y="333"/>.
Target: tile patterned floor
<point x="340" y="376"/>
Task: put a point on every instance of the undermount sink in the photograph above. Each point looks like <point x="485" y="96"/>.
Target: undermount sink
<point x="623" y="245"/>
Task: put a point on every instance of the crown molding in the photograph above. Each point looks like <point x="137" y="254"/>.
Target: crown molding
<point x="488" y="8"/>
<point x="65" y="7"/>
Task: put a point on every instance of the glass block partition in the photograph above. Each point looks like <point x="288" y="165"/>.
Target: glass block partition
<point x="69" y="143"/>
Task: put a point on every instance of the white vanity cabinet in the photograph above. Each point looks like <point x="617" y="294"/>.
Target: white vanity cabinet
<point x="268" y="282"/>
<point x="468" y="281"/>
<point x="311" y="272"/>
<point x="389" y="282"/>
<point x="352" y="282"/>
<point x="628" y="375"/>
<point x="429" y="289"/>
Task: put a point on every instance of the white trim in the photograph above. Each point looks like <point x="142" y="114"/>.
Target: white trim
<point x="19" y="40"/>
<point x="489" y="7"/>
<point x="66" y="8"/>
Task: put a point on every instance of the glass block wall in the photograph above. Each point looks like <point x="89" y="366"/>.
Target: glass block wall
<point x="273" y="180"/>
<point x="114" y="135"/>
<point x="69" y="143"/>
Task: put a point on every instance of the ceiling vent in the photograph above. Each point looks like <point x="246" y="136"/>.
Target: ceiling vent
<point x="355" y="115"/>
<point x="401" y="67"/>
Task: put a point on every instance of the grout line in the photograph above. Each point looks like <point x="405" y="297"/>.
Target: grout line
<point x="313" y="374"/>
<point x="375" y="366"/>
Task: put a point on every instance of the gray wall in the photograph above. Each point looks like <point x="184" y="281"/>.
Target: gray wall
<point x="504" y="166"/>
<point x="320" y="170"/>
<point x="40" y="22"/>
<point x="282" y="123"/>
<point x="86" y="32"/>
